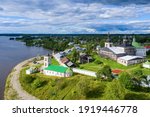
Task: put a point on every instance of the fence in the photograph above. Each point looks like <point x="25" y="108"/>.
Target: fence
<point x="84" y="72"/>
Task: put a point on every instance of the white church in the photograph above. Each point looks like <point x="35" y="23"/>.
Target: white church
<point x="55" y="70"/>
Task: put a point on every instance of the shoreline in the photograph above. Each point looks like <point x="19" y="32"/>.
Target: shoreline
<point x="13" y="89"/>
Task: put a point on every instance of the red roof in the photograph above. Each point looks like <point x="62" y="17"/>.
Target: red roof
<point x="147" y="46"/>
<point x="63" y="60"/>
<point x="116" y="71"/>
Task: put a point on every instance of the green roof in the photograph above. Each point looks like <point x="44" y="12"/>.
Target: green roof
<point x="56" y="68"/>
<point x="137" y="45"/>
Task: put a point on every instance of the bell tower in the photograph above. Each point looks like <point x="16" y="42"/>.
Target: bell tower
<point x="47" y="60"/>
<point x="108" y="42"/>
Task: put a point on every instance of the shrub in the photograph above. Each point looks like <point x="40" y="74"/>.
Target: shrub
<point x="62" y="83"/>
<point x="81" y="67"/>
<point x="39" y="83"/>
<point x="114" y="91"/>
<point x="28" y="79"/>
<point x="125" y="80"/>
<point x="53" y="83"/>
<point x="104" y="73"/>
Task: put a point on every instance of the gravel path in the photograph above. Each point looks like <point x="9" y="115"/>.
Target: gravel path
<point x="22" y="94"/>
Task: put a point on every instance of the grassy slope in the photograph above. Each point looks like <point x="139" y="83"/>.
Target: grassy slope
<point x="56" y="88"/>
<point x="68" y="88"/>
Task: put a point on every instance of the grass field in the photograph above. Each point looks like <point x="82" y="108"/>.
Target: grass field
<point x="113" y="64"/>
<point x="77" y="87"/>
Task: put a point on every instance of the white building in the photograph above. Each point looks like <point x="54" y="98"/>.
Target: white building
<point x="140" y="50"/>
<point x="130" y="60"/>
<point x="146" y="64"/>
<point x="55" y="70"/>
<point x="31" y="70"/>
<point x="108" y="42"/>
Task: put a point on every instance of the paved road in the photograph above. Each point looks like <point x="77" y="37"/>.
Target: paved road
<point x="22" y="94"/>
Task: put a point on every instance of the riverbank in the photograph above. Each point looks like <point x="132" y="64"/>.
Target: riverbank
<point x="13" y="89"/>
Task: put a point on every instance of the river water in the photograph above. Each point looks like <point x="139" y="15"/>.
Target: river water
<point x="11" y="53"/>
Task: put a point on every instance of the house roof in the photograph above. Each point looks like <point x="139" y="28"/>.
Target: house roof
<point x="63" y="60"/>
<point x="58" y="55"/>
<point x="117" y="50"/>
<point x="56" y="68"/>
<point x="69" y="63"/>
<point x="148" y="47"/>
<point x="128" y="57"/>
<point x="116" y="71"/>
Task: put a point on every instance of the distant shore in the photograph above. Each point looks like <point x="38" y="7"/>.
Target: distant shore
<point x="13" y="89"/>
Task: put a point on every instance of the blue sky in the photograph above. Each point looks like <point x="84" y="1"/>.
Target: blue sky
<point x="74" y="16"/>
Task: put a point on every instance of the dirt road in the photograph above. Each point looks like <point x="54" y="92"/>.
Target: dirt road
<point x="22" y="94"/>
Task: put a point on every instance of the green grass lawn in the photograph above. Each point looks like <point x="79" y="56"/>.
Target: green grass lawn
<point x="113" y="64"/>
<point x="54" y="61"/>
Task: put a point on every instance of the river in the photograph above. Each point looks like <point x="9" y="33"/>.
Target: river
<point x="11" y="53"/>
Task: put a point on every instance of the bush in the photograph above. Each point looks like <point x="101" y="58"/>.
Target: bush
<point x="114" y="91"/>
<point x="125" y="80"/>
<point x="53" y="83"/>
<point x="96" y="90"/>
<point x="38" y="83"/>
<point x="81" y="67"/>
<point x="97" y="61"/>
<point x="90" y="89"/>
<point x="105" y="73"/>
<point x="29" y="79"/>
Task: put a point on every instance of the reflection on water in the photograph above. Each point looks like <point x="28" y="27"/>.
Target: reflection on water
<point x="11" y="53"/>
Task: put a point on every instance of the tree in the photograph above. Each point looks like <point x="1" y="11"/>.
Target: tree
<point x="75" y="56"/>
<point x="148" y="53"/>
<point x="104" y="72"/>
<point x="102" y="42"/>
<point x="89" y="49"/>
<point x="125" y="79"/>
<point x="137" y="76"/>
<point x="115" y="91"/>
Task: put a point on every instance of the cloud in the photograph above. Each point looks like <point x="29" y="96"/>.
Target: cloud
<point x="1" y="9"/>
<point x="74" y="16"/>
<point x="114" y="2"/>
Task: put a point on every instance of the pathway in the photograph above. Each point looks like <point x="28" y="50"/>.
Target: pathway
<point x="22" y="94"/>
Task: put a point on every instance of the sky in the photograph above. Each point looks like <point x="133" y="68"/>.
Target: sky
<point x="75" y="16"/>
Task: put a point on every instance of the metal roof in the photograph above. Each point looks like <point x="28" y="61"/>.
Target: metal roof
<point x="128" y="57"/>
<point x="117" y="50"/>
<point x="56" y="68"/>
